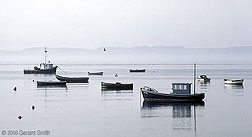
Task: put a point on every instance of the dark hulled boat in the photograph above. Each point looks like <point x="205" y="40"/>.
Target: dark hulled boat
<point x="117" y="86"/>
<point x="181" y="93"/>
<point x="51" y="83"/>
<point x="45" y="68"/>
<point x="137" y="70"/>
<point x="49" y="70"/>
<point x="73" y="79"/>
<point x="95" y="73"/>
<point x="150" y="94"/>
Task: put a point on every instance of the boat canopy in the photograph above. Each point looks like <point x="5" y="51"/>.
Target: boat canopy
<point x="203" y="76"/>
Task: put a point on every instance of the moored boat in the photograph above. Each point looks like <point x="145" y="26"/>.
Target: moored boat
<point x="95" y="73"/>
<point x="45" y="68"/>
<point x="73" y="79"/>
<point x="137" y="70"/>
<point x="234" y="81"/>
<point x="42" y="70"/>
<point x="181" y="93"/>
<point x="117" y="86"/>
<point x="203" y="78"/>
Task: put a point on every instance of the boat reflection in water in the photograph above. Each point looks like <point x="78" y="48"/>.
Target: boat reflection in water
<point x="52" y="93"/>
<point x="107" y="91"/>
<point x="114" y="94"/>
<point x="182" y="114"/>
<point x="52" y="86"/>
<point x="229" y="86"/>
<point x="203" y="82"/>
<point x="204" y="85"/>
<point x="237" y="90"/>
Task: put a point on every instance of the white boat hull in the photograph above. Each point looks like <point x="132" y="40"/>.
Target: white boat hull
<point x="233" y="81"/>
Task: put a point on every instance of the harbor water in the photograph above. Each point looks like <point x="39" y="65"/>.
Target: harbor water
<point x="84" y="110"/>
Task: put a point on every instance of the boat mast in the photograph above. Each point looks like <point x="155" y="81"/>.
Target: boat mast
<point x="194" y="76"/>
<point x="45" y="54"/>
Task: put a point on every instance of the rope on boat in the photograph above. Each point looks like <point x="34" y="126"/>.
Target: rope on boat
<point x="62" y="70"/>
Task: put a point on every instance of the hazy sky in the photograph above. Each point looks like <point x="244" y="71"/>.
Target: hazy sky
<point x="103" y="23"/>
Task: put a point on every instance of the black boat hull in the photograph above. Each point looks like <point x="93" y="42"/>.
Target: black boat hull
<point x="51" y="83"/>
<point x="95" y="73"/>
<point x="162" y="97"/>
<point x="116" y="86"/>
<point x="41" y="71"/>
<point x="73" y="79"/>
<point x="149" y="104"/>
<point x="137" y="70"/>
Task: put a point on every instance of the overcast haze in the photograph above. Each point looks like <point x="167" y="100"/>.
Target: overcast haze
<point x="125" y="23"/>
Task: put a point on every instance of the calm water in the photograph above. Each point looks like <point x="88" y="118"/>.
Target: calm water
<point x="80" y="110"/>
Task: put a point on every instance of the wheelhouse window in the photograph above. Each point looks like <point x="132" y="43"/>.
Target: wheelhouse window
<point x="185" y="87"/>
<point x="179" y="87"/>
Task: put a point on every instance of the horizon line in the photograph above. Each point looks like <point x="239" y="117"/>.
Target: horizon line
<point x="130" y="47"/>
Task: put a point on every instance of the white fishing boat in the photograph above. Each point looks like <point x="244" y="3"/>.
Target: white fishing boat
<point x="44" y="68"/>
<point x="233" y="81"/>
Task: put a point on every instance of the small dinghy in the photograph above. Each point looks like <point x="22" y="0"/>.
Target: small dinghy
<point x="137" y="70"/>
<point x="234" y="81"/>
<point x="73" y="79"/>
<point x="203" y="78"/>
<point x="51" y="83"/>
<point x="117" y="86"/>
<point x="95" y="73"/>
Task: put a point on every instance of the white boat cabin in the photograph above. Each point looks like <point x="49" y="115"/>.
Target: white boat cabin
<point x="181" y="88"/>
<point x="46" y="66"/>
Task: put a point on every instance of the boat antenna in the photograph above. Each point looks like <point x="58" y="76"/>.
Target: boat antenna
<point x="45" y="54"/>
<point x="194" y="76"/>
